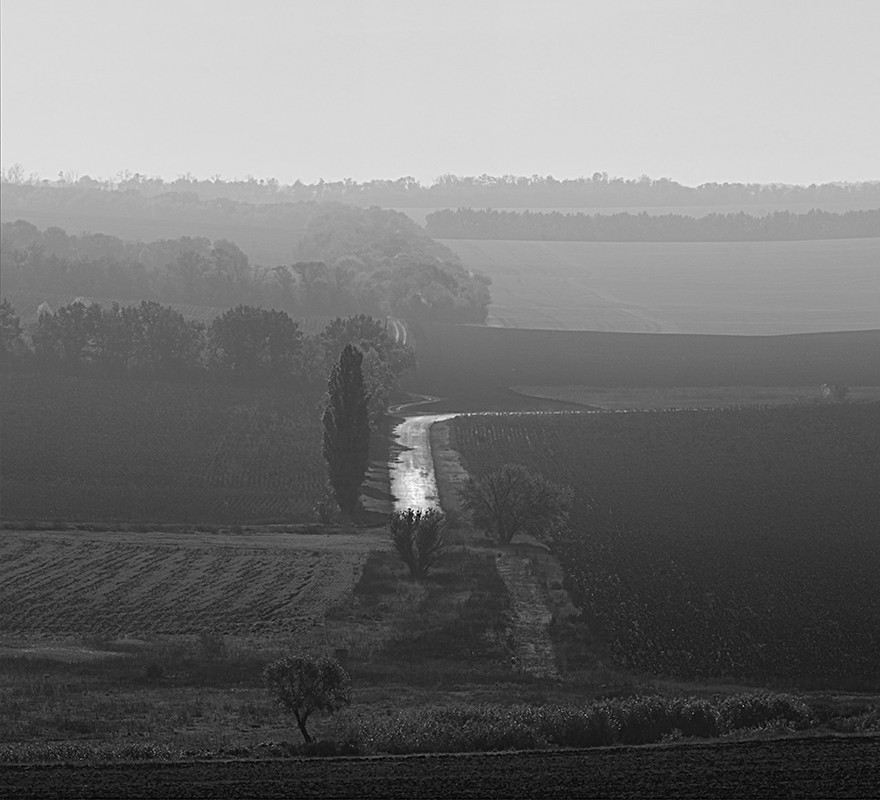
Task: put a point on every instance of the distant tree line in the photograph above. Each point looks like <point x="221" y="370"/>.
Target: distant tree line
<point x="245" y="344"/>
<point x="467" y="223"/>
<point x="352" y="261"/>
<point x="499" y="191"/>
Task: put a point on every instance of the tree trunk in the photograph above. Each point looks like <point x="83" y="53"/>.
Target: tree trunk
<point x="301" y="721"/>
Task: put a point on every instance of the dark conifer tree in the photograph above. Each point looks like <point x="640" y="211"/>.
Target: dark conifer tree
<point x="347" y="428"/>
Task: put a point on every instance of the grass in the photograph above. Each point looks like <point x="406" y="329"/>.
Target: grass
<point x="755" y="288"/>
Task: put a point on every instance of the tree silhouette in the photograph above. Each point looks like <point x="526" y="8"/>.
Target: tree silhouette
<point x="303" y="685"/>
<point x="347" y="428"/>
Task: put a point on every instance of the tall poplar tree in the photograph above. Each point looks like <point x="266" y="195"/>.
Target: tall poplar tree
<point x="347" y="428"/>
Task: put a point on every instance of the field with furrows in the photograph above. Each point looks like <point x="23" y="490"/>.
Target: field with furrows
<point x="734" y="544"/>
<point x="130" y="585"/>
<point x="105" y="450"/>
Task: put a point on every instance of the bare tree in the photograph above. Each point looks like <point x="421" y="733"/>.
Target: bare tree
<point x="514" y="499"/>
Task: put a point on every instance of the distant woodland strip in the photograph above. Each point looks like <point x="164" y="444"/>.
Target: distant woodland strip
<point x="447" y="191"/>
<point x="467" y="223"/>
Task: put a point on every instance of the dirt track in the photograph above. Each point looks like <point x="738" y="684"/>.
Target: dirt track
<point x="803" y="768"/>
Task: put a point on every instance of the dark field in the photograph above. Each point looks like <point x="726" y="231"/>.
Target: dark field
<point x="819" y="767"/>
<point x="108" y="450"/>
<point x="715" y="544"/>
<point x="473" y="366"/>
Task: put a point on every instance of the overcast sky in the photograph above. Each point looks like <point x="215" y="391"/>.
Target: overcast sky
<point x="693" y="90"/>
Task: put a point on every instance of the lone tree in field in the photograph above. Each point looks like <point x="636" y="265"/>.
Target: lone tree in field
<point x="304" y="685"/>
<point x="417" y="536"/>
<point x="513" y="499"/>
<point x="347" y="429"/>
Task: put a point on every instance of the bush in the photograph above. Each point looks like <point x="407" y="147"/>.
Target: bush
<point x="326" y="510"/>
<point x="303" y="685"/>
<point x="447" y="729"/>
<point x="592" y="726"/>
<point x="418" y="537"/>
<point x="757" y="709"/>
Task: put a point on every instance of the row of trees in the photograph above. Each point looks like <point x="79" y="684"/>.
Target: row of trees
<point x="598" y="189"/>
<point x="467" y="223"/>
<point x="350" y="260"/>
<point x="243" y="345"/>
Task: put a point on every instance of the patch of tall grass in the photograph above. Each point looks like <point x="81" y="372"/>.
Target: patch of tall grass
<point x="635" y="720"/>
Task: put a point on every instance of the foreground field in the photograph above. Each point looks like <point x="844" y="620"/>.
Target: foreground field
<point x="737" y="543"/>
<point x="104" y="450"/>
<point x="807" y="768"/>
<point x="756" y="288"/>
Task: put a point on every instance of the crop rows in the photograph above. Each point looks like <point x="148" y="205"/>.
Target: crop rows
<point x="739" y="543"/>
<point x="136" y="451"/>
<point x="54" y="585"/>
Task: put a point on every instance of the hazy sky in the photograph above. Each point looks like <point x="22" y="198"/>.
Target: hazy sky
<point x="694" y="90"/>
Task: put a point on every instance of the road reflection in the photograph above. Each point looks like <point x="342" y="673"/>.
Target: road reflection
<point x="412" y="475"/>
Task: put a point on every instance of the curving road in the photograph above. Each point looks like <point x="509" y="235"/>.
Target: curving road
<point x="413" y="483"/>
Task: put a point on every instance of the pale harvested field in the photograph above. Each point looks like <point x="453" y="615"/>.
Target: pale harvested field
<point x="756" y="288"/>
<point x="133" y="585"/>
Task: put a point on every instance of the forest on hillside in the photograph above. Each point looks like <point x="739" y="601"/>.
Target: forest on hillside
<point x="468" y="223"/>
<point x="451" y="191"/>
<point x="349" y="260"/>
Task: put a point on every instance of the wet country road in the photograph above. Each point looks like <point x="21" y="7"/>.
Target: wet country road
<point x="412" y="474"/>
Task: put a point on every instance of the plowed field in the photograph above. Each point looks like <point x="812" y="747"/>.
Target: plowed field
<point x="56" y="584"/>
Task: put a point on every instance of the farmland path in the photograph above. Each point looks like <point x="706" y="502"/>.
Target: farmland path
<point x="414" y="485"/>
<point x="530" y="618"/>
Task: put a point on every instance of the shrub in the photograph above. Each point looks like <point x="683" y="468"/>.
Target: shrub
<point x="418" y="537"/>
<point x="592" y="726"/>
<point x="326" y="510"/>
<point x="756" y="709"/>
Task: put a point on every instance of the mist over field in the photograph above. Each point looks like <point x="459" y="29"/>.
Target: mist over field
<point x="494" y="379"/>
